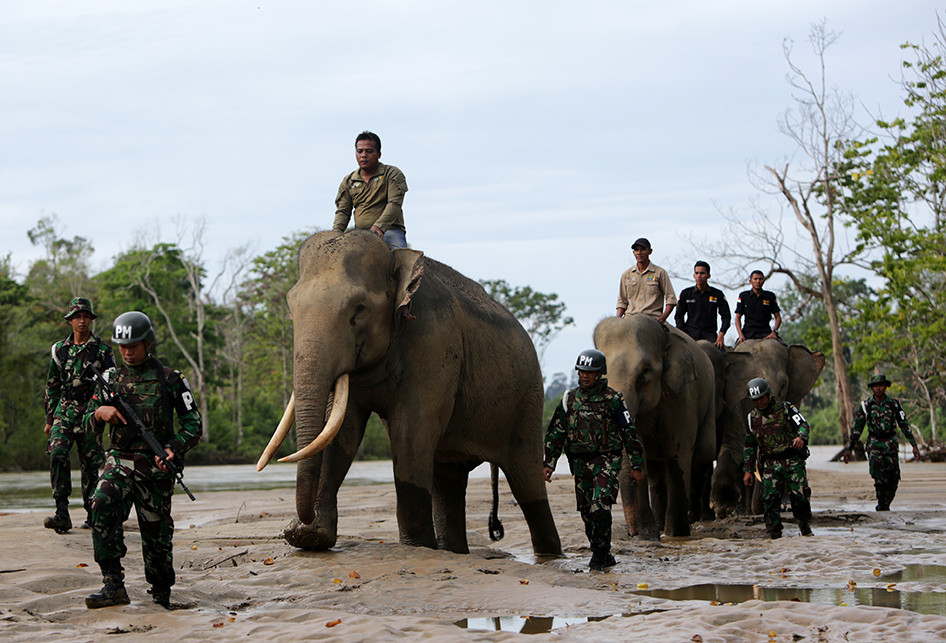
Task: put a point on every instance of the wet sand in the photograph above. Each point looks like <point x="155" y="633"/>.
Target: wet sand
<point x="237" y="578"/>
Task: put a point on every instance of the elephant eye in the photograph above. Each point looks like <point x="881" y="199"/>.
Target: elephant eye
<point x="359" y="310"/>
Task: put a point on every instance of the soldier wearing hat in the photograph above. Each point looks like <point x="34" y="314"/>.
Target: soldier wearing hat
<point x="882" y="415"/>
<point x="593" y="427"/>
<point x="67" y="396"/>
<point x="645" y="287"/>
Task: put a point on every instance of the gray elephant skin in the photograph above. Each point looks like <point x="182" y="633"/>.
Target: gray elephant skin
<point x="669" y="386"/>
<point x="451" y="373"/>
<point x="791" y="371"/>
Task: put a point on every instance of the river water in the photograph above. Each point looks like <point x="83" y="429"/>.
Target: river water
<point x="29" y="491"/>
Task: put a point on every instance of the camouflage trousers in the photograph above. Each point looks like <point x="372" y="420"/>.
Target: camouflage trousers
<point x="90" y="454"/>
<point x="133" y="479"/>
<point x="883" y="458"/>
<point x="777" y="476"/>
<point x="596" y="489"/>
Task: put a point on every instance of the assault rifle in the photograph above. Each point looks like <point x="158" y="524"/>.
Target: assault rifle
<point x="114" y="398"/>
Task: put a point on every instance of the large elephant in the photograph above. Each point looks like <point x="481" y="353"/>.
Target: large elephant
<point x="451" y="373"/>
<point x="668" y="384"/>
<point x="791" y="371"/>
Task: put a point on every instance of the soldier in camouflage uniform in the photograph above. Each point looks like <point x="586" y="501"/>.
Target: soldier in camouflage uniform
<point x="882" y="415"/>
<point x="777" y="440"/>
<point x="133" y="474"/>
<point x="66" y="398"/>
<point x="592" y="426"/>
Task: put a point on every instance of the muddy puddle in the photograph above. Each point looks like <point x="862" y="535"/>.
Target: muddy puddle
<point x="881" y="591"/>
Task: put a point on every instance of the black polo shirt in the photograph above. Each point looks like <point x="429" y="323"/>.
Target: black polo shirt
<point x="757" y="312"/>
<point x="696" y="312"/>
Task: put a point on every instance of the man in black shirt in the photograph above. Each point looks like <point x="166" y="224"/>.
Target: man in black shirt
<point x="698" y="306"/>
<point x="758" y="306"/>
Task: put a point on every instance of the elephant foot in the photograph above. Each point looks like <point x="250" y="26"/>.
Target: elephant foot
<point x="309" y="537"/>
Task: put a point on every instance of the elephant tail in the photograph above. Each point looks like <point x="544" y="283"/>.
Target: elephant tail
<point x="496" y="531"/>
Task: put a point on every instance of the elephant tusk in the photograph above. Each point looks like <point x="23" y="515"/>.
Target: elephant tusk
<point x="282" y="430"/>
<point x="334" y="423"/>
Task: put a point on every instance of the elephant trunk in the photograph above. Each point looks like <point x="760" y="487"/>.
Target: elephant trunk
<point x="313" y="434"/>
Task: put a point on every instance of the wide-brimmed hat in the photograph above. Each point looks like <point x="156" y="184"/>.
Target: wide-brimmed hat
<point x="879" y="378"/>
<point x="78" y="305"/>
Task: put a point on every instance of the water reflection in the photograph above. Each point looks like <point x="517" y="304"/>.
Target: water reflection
<point x="921" y="602"/>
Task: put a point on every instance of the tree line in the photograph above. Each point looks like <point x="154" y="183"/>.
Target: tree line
<point x="228" y="331"/>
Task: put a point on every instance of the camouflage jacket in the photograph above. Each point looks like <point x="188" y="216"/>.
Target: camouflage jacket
<point x="771" y="433"/>
<point x="882" y="419"/>
<point x="592" y="421"/>
<point x="66" y="393"/>
<point x="141" y="387"/>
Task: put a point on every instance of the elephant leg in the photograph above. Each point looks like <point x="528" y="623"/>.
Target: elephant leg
<point x="677" y="505"/>
<point x="330" y="470"/>
<point x="638" y="516"/>
<point x="700" y="496"/>
<point x="413" y="443"/>
<point x="528" y="488"/>
<point x="449" y="505"/>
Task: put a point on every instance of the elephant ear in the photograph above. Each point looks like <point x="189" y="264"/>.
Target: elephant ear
<point x="679" y="365"/>
<point x="803" y="370"/>
<point x="739" y="369"/>
<point x="408" y="272"/>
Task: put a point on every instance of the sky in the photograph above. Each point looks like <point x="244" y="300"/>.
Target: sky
<point x="539" y="139"/>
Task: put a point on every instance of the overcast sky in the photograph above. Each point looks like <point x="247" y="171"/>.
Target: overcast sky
<point x="538" y="138"/>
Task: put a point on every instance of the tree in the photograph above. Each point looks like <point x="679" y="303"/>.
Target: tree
<point x="64" y="271"/>
<point x="821" y="120"/>
<point x="541" y="314"/>
<point x="896" y="194"/>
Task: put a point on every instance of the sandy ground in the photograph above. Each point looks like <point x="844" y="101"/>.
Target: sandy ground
<point x="237" y="578"/>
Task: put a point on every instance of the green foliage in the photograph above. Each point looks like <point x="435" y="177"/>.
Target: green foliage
<point x="541" y="314"/>
<point x="376" y="445"/>
<point x="895" y="193"/>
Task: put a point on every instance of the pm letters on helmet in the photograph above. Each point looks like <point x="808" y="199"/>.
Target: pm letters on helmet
<point x="122" y="331"/>
<point x="585" y="360"/>
<point x="753" y="391"/>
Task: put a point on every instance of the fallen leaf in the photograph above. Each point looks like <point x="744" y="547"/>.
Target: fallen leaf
<point x="876" y="572"/>
<point x="269" y="561"/>
<point x="785" y="570"/>
<point x="891" y="586"/>
<point x="218" y="624"/>
<point x="336" y="580"/>
<point x="524" y="582"/>
<point x="354" y="575"/>
<point x="82" y="565"/>
<point x="771" y="634"/>
<point x="194" y="547"/>
<point x="642" y="586"/>
<point x="333" y="623"/>
<point x="232" y="619"/>
<point x="696" y="638"/>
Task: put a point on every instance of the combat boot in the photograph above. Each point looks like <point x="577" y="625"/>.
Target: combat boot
<point x="805" y="529"/>
<point x="113" y="592"/>
<point x="60" y="522"/>
<point x="161" y="595"/>
<point x="601" y="560"/>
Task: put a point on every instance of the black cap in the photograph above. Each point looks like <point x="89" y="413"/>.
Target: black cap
<point x="642" y="242"/>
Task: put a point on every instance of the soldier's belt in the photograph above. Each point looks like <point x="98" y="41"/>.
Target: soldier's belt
<point x="593" y="454"/>
<point x="783" y="455"/>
